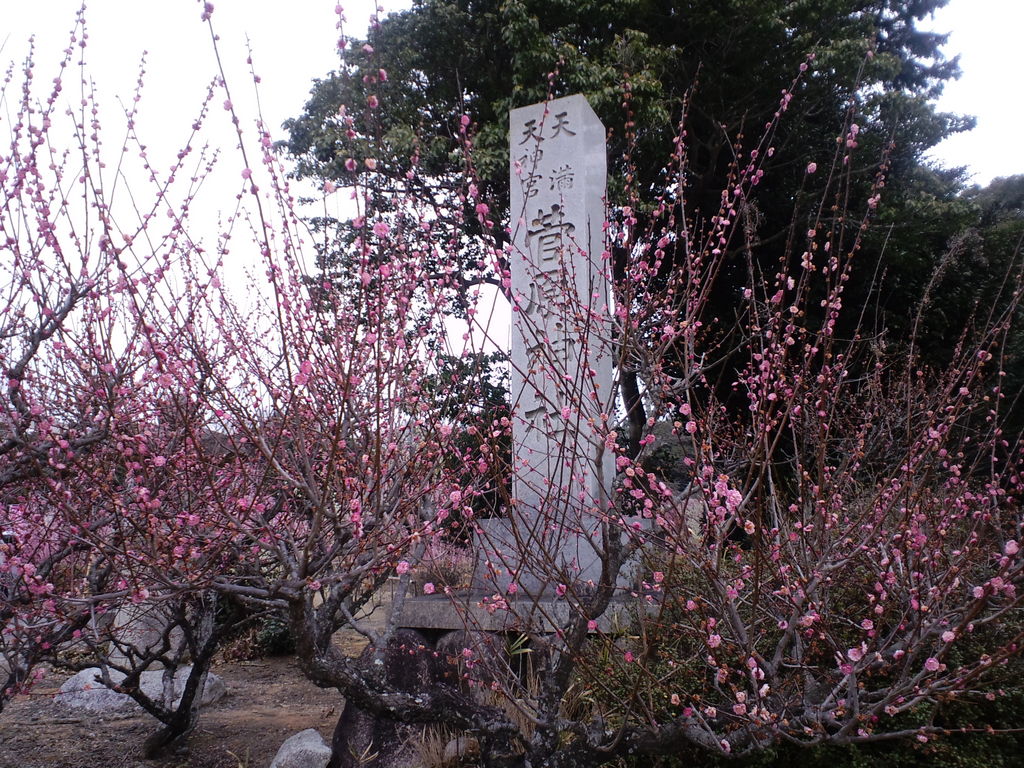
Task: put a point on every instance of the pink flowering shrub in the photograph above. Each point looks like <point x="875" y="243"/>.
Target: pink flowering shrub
<point x="840" y="530"/>
<point x="446" y="565"/>
<point x="167" y="440"/>
<point x="818" y="564"/>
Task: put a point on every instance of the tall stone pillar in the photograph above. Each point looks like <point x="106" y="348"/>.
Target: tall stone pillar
<point x="561" y="377"/>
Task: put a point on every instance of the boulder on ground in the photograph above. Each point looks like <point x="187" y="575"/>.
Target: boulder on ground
<point x="85" y="692"/>
<point x="461" y="749"/>
<point x="306" y="749"/>
<point x="142" y="629"/>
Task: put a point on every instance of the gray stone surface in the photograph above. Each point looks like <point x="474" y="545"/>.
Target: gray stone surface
<point x="306" y="749"/>
<point x="141" y="629"/>
<point x="461" y="749"/>
<point x="521" y="615"/>
<point x="84" y="692"/>
<point x="525" y="549"/>
<point x="562" y="329"/>
<point x="561" y="374"/>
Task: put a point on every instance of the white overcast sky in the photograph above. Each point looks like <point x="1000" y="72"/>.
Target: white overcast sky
<point x="294" y="42"/>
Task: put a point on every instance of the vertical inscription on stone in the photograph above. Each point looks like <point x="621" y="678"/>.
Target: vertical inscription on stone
<point x="561" y="378"/>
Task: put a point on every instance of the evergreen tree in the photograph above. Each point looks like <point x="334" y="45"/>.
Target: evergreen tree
<point x="718" y="67"/>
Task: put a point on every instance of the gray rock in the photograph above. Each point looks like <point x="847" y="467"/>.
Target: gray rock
<point x="141" y="629"/>
<point x="84" y="692"/>
<point x="461" y="749"/>
<point x="306" y="749"/>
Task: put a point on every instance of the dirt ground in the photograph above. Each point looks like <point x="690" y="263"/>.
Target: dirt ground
<point x="267" y="701"/>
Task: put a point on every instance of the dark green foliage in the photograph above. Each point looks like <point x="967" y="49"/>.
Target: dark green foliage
<point x="445" y="58"/>
<point x="642" y="65"/>
<point x="972" y="719"/>
<point x="472" y="393"/>
<point x="958" y="750"/>
<point x="274" y="636"/>
<point x="253" y="633"/>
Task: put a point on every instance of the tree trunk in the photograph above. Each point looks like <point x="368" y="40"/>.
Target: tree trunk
<point x="185" y="716"/>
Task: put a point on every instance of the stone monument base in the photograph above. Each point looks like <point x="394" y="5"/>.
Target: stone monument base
<point x="478" y="611"/>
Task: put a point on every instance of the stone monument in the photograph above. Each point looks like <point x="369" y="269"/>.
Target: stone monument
<point x="561" y="385"/>
<point x="561" y="374"/>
